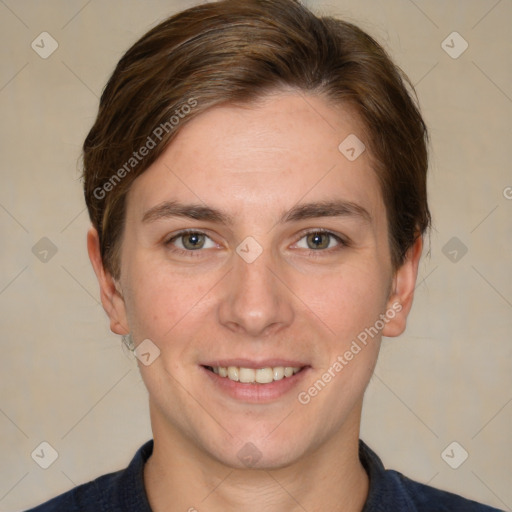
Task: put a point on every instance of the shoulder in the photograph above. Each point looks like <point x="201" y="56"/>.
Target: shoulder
<point x="122" y="491"/>
<point x="83" y="498"/>
<point x="425" y="498"/>
<point x="390" y="491"/>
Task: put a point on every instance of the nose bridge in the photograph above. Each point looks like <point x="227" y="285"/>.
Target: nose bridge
<point x="254" y="300"/>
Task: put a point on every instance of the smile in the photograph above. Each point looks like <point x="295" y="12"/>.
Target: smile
<point x="254" y="376"/>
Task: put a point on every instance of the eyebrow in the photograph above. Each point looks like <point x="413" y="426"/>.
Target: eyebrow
<point x="334" y="208"/>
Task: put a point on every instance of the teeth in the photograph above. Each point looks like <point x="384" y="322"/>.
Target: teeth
<point x="278" y="372"/>
<point x="233" y="373"/>
<point x="247" y="375"/>
<point x="251" y="376"/>
<point x="264" y="375"/>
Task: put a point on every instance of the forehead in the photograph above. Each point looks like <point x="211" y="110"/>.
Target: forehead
<point x="264" y="156"/>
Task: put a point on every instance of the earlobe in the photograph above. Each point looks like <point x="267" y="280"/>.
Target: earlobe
<point x="402" y="291"/>
<point x="110" y="292"/>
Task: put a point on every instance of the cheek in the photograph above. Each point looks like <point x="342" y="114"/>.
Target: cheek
<point x="161" y="301"/>
<point x="346" y="301"/>
<point x="347" y="306"/>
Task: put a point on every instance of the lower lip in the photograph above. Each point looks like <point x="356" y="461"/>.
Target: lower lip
<point x="256" y="393"/>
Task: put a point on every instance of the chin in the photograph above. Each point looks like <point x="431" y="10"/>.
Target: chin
<point x="259" y="453"/>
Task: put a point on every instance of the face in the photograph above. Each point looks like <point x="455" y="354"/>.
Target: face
<point x="254" y="248"/>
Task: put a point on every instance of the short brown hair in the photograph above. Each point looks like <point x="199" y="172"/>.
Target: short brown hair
<point x="237" y="51"/>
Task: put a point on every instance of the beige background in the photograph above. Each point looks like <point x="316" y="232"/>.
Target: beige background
<point x="65" y="378"/>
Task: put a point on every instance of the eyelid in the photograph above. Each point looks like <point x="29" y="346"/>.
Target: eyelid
<point x="187" y="231"/>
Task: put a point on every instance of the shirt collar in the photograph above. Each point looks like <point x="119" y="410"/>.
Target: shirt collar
<point x="386" y="492"/>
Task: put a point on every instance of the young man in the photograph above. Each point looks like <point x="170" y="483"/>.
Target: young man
<point x="256" y="180"/>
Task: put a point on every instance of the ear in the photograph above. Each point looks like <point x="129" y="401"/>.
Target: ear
<point x="111" y="296"/>
<point x="402" y="291"/>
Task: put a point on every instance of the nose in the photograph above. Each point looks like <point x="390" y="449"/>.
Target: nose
<point x="255" y="300"/>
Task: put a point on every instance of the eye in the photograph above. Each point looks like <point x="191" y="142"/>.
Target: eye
<point x="319" y="240"/>
<point x="191" y="241"/>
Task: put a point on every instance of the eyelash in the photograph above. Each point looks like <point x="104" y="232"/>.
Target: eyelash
<point x="314" y="253"/>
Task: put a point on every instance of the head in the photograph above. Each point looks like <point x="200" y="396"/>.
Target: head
<point x="289" y="149"/>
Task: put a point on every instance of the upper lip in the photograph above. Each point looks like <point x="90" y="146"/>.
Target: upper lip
<point x="251" y="363"/>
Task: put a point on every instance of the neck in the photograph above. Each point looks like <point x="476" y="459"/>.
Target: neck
<point x="179" y="476"/>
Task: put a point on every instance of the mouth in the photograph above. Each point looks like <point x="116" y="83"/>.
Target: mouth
<point x="255" y="382"/>
<point x="264" y="375"/>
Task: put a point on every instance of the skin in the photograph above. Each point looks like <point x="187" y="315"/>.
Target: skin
<point x="254" y="163"/>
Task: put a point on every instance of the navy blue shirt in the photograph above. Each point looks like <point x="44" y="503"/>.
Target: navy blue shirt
<point x="390" y="491"/>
